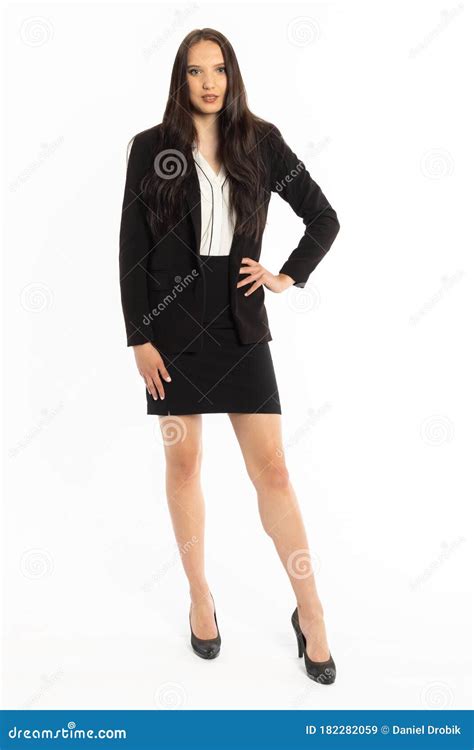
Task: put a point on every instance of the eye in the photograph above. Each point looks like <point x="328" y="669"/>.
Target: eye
<point x="221" y="68"/>
<point x="191" y="71"/>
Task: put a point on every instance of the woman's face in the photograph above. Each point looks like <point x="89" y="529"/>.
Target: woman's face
<point x="207" y="79"/>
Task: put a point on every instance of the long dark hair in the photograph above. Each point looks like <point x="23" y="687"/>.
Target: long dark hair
<point x="240" y="137"/>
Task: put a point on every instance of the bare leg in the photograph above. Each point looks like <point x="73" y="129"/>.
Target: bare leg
<point x="182" y="442"/>
<point x="260" y="440"/>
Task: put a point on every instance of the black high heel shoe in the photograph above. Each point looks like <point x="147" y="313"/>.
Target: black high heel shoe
<point x="320" y="671"/>
<point x="207" y="648"/>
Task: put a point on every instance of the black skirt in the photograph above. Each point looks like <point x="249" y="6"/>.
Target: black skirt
<point x="225" y="376"/>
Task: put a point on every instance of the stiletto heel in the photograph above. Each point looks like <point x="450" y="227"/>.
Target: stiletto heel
<point x="323" y="672"/>
<point x="300" y="645"/>
<point x="207" y="648"/>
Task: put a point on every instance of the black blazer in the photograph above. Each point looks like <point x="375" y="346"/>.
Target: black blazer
<point x="160" y="277"/>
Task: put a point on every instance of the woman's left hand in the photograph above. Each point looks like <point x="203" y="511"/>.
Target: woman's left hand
<point x="259" y="275"/>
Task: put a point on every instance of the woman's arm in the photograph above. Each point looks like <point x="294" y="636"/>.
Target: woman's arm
<point x="292" y="181"/>
<point x="135" y="244"/>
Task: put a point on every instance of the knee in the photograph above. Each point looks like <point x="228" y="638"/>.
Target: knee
<point x="184" y="466"/>
<point x="273" y="476"/>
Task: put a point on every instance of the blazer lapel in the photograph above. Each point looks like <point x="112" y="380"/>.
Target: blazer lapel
<point x="193" y="202"/>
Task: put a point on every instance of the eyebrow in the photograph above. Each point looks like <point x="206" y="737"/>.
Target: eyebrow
<point x="219" y="65"/>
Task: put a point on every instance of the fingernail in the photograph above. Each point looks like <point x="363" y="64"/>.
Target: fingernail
<point x="168" y="379"/>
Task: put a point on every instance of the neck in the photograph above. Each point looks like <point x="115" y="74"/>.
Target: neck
<point x="206" y="128"/>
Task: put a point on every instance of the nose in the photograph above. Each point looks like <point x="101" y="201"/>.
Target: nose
<point x="208" y="83"/>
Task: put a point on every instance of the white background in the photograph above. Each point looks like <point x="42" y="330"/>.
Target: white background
<point x="373" y="362"/>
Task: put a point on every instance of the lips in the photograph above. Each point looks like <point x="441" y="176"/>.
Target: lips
<point x="210" y="98"/>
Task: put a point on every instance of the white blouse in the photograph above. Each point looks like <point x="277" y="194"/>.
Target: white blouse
<point x="217" y="221"/>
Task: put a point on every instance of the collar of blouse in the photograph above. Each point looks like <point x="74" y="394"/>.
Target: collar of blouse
<point x="217" y="179"/>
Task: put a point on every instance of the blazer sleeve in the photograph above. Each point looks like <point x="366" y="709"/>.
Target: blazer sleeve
<point x="292" y="181"/>
<point x="135" y="244"/>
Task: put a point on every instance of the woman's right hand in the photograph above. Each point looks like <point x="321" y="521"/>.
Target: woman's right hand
<point x="150" y="366"/>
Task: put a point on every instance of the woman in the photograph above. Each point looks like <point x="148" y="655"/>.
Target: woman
<point x="194" y="210"/>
